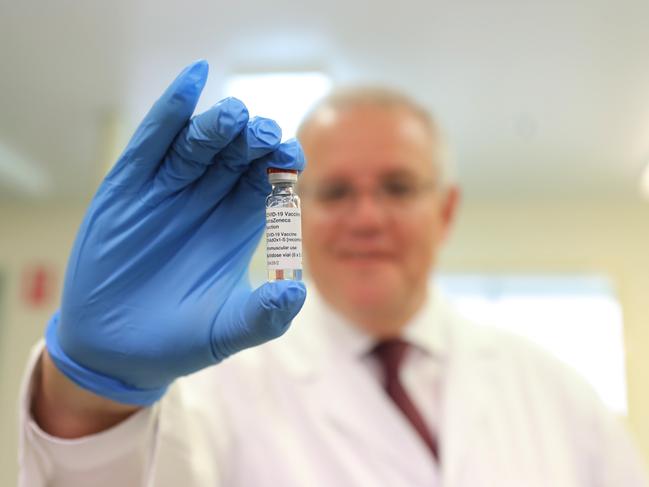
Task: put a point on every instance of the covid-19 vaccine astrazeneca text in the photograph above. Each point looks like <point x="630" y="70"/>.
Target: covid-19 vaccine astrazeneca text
<point x="283" y="227"/>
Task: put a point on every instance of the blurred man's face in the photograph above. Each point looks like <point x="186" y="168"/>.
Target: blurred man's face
<point x="374" y="213"/>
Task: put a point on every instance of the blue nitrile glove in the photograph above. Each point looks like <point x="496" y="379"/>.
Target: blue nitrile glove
<point x="157" y="285"/>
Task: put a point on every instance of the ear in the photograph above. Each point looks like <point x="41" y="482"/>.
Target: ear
<point x="448" y="208"/>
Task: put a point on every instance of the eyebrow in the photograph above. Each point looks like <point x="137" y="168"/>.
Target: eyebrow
<point x="401" y="174"/>
<point x="398" y="172"/>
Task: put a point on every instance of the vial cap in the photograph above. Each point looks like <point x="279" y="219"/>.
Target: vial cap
<point x="278" y="175"/>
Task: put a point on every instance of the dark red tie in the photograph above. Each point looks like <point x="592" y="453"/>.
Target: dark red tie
<point x="390" y="354"/>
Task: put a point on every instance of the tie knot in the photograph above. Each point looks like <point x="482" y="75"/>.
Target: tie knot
<point x="390" y="354"/>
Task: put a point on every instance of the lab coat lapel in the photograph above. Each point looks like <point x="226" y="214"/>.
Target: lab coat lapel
<point x="471" y="454"/>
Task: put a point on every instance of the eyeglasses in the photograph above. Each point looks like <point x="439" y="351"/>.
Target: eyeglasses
<point x="393" y="194"/>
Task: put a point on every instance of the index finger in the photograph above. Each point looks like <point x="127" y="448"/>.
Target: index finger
<point x="254" y="183"/>
<point x="155" y="134"/>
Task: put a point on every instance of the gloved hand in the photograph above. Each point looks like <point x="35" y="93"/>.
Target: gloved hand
<point x="156" y="285"/>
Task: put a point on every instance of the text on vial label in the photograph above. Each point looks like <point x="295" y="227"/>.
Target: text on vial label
<point x="283" y="238"/>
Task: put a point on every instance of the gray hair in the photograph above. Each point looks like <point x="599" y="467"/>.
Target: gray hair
<point x="389" y="98"/>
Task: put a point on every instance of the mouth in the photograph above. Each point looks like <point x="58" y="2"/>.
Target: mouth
<point x="365" y="256"/>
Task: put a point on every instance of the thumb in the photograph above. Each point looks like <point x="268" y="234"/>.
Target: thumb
<point x="257" y="317"/>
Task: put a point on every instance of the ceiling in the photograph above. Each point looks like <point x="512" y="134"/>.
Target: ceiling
<point x="541" y="100"/>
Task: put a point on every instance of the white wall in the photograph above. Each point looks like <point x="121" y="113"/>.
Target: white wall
<point x="27" y="236"/>
<point x="613" y="240"/>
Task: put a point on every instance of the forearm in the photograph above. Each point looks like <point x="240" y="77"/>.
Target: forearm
<point x="65" y="410"/>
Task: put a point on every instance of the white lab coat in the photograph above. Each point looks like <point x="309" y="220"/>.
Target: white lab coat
<point x="295" y="412"/>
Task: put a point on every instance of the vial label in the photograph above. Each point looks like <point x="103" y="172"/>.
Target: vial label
<point x="283" y="239"/>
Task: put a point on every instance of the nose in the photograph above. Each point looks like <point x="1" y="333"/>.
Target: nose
<point x="367" y="215"/>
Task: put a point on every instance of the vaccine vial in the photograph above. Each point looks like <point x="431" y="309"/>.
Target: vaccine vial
<point x="283" y="227"/>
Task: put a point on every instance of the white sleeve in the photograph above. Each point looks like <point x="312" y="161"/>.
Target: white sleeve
<point x="612" y="458"/>
<point x="172" y="443"/>
<point x="117" y="456"/>
<point x="616" y="461"/>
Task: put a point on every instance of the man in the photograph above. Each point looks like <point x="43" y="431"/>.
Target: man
<point x="376" y="383"/>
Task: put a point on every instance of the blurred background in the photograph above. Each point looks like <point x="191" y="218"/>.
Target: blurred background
<point x="546" y="105"/>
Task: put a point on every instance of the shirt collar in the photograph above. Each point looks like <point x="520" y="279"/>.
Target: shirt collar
<point x="426" y="330"/>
